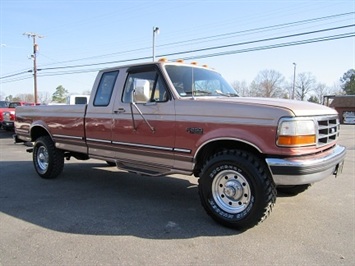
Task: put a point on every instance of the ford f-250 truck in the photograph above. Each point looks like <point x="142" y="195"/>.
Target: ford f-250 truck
<point x="166" y="118"/>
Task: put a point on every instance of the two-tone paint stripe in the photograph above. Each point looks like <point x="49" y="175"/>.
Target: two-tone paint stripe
<point x="138" y="145"/>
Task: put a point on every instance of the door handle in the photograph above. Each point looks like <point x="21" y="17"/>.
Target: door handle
<point x="120" y="110"/>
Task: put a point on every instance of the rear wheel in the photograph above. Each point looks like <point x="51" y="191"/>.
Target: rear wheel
<point x="47" y="159"/>
<point x="236" y="189"/>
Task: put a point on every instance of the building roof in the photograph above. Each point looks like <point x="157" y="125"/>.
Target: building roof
<point x="343" y="101"/>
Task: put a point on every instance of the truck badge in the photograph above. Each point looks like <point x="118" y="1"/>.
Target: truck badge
<point x="195" y="130"/>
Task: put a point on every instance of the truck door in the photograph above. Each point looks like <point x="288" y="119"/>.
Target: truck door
<point x="143" y="133"/>
<point x="98" y="119"/>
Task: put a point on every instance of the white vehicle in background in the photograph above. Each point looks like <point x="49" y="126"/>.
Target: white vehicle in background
<point x="77" y="99"/>
<point x="73" y="100"/>
<point x="349" y="117"/>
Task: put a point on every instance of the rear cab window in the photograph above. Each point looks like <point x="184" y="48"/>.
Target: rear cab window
<point x="105" y="88"/>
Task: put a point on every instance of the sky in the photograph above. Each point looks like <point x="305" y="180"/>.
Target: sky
<point x="238" y="38"/>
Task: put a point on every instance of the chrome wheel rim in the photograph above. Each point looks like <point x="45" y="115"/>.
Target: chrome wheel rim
<point x="42" y="159"/>
<point x="231" y="191"/>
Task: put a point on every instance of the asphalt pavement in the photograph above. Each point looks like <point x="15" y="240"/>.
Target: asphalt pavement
<point x="94" y="214"/>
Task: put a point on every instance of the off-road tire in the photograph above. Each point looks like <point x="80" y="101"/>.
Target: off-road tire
<point x="47" y="159"/>
<point x="236" y="189"/>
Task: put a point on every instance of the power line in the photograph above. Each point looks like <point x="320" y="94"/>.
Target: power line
<point x="319" y="39"/>
<point x="253" y="49"/>
<point x="261" y="40"/>
<point x="283" y="25"/>
<point x="267" y="47"/>
<point x="261" y="29"/>
<point x="17" y="74"/>
<point x="206" y="49"/>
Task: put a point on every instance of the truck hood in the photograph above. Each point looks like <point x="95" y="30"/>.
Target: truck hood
<point x="298" y="108"/>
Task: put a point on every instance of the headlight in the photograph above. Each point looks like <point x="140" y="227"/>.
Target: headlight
<point x="296" y="133"/>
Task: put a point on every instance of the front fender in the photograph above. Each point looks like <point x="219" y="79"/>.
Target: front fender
<point x="257" y="137"/>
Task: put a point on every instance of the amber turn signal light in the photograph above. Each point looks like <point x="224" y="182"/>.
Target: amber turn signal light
<point x="296" y="140"/>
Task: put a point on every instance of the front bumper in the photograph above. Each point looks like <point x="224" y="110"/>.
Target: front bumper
<point x="7" y="124"/>
<point x="307" y="169"/>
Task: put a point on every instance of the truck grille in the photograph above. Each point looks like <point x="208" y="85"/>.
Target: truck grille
<point x="328" y="130"/>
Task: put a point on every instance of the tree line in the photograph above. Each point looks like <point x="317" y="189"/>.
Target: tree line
<point x="268" y="83"/>
<point x="271" y="83"/>
<point x="59" y="96"/>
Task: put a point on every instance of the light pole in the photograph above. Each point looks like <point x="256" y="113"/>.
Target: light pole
<point x="34" y="57"/>
<point x="294" y="81"/>
<point x="155" y="32"/>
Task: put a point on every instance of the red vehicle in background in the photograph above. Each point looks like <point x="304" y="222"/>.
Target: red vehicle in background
<point x="7" y="116"/>
<point x="4" y="106"/>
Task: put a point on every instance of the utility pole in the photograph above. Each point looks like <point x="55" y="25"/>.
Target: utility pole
<point x="155" y="32"/>
<point x="294" y="81"/>
<point x="34" y="57"/>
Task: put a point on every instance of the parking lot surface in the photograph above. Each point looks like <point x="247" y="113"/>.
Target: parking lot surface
<point x="94" y="214"/>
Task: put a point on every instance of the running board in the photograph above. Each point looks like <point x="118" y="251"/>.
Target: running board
<point x="142" y="169"/>
<point x="149" y="170"/>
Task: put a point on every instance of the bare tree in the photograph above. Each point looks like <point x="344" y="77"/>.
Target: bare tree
<point x="305" y="84"/>
<point x="44" y="97"/>
<point x="87" y="92"/>
<point x="336" y="89"/>
<point x="241" y="88"/>
<point x="24" y="97"/>
<point x="320" y="91"/>
<point x="268" y="83"/>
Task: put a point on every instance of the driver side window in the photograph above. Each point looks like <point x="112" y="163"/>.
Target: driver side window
<point x="144" y="87"/>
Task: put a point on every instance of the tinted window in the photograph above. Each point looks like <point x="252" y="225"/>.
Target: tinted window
<point x="14" y="105"/>
<point x="105" y="89"/>
<point x="4" y="104"/>
<point x="80" y="100"/>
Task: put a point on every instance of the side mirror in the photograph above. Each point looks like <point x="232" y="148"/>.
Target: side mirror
<point x="141" y="91"/>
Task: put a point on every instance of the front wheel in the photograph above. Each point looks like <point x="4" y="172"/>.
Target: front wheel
<point x="47" y="159"/>
<point x="236" y="189"/>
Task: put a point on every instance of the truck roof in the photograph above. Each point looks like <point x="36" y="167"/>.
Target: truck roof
<point x="160" y="62"/>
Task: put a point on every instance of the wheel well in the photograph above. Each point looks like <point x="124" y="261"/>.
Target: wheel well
<point x="37" y="132"/>
<point x="217" y="146"/>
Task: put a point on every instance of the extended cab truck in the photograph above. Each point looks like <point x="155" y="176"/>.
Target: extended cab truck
<point x="165" y="118"/>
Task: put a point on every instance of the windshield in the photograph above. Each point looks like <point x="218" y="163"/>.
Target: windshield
<point x="192" y="81"/>
<point x="4" y="104"/>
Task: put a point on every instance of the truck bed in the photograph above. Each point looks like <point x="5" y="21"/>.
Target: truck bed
<point x="66" y="123"/>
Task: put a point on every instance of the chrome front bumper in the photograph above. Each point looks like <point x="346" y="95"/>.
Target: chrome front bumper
<point x="307" y="169"/>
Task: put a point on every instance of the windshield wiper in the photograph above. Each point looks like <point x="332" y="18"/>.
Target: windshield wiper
<point x="229" y="94"/>
<point x="195" y="92"/>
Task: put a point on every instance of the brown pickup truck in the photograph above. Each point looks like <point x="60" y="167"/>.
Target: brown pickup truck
<point x="166" y="118"/>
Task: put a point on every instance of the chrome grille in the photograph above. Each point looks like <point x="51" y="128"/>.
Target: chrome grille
<point x="328" y="130"/>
